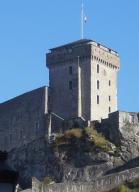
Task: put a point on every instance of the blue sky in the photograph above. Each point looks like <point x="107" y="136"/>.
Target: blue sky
<point x="28" y="28"/>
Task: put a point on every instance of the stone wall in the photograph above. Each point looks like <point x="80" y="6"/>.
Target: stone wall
<point x="99" y="185"/>
<point x="39" y="159"/>
<point x="76" y="64"/>
<point x="70" y="64"/>
<point x="104" y="69"/>
<point x="120" y="126"/>
<point x="29" y="161"/>
<point x="22" y="119"/>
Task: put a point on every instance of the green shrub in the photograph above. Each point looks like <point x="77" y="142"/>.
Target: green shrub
<point x="98" y="139"/>
<point x="123" y="188"/>
<point x="88" y="136"/>
<point x="88" y="131"/>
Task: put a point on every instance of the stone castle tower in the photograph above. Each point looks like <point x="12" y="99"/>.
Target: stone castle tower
<point x="83" y="80"/>
<point x="83" y="83"/>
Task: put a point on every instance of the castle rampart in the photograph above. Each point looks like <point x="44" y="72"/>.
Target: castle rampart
<point x="120" y="125"/>
<point x="105" y="183"/>
<point x="22" y="119"/>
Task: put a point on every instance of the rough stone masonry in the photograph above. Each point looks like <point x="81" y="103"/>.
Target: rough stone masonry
<point x="83" y="85"/>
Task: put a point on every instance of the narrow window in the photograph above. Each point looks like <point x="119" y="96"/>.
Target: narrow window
<point x="70" y="70"/>
<point x="109" y="109"/>
<point x="109" y="83"/>
<point x="97" y="99"/>
<point x="109" y="98"/>
<point x="97" y="68"/>
<point x="70" y="85"/>
<point x="97" y="84"/>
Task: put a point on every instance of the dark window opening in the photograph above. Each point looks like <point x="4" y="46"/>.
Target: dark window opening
<point x="70" y="85"/>
<point x="97" y="84"/>
<point x="70" y="70"/>
<point x="109" y="98"/>
<point x="97" y="68"/>
<point x="97" y="99"/>
<point x="109" y="83"/>
<point x="109" y="109"/>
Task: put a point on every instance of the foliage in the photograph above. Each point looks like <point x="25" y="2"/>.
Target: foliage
<point x="73" y="133"/>
<point x="86" y="139"/>
<point x="61" y="139"/>
<point x="98" y="139"/>
<point x="123" y="188"/>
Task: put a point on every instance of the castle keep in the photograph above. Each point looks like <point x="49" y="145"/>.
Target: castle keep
<point x="83" y="84"/>
<point x="83" y="80"/>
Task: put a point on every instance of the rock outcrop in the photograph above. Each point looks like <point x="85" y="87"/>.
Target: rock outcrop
<point x="79" y="158"/>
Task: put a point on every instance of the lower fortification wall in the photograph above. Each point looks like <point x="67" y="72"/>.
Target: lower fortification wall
<point x="101" y="184"/>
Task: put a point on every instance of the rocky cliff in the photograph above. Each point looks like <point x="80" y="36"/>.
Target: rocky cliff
<point x="78" y="155"/>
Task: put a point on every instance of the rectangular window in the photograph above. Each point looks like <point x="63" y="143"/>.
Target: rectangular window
<point x="97" y="68"/>
<point x="109" y="83"/>
<point x="70" y="85"/>
<point x="70" y="70"/>
<point x="97" y="84"/>
<point x="109" y="98"/>
<point x="97" y="99"/>
<point x="109" y="109"/>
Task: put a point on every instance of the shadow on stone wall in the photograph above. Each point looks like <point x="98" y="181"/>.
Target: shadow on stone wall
<point x="129" y="165"/>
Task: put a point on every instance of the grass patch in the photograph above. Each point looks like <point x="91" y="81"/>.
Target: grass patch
<point x="98" y="139"/>
<point x="88" y="139"/>
<point x="73" y="133"/>
<point x="123" y="188"/>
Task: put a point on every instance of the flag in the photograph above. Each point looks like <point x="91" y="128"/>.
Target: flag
<point x="85" y="19"/>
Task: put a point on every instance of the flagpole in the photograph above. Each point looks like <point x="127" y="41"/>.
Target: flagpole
<point x="82" y="20"/>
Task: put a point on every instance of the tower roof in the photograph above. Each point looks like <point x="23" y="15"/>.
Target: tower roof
<point x="83" y="42"/>
<point x="79" y="42"/>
